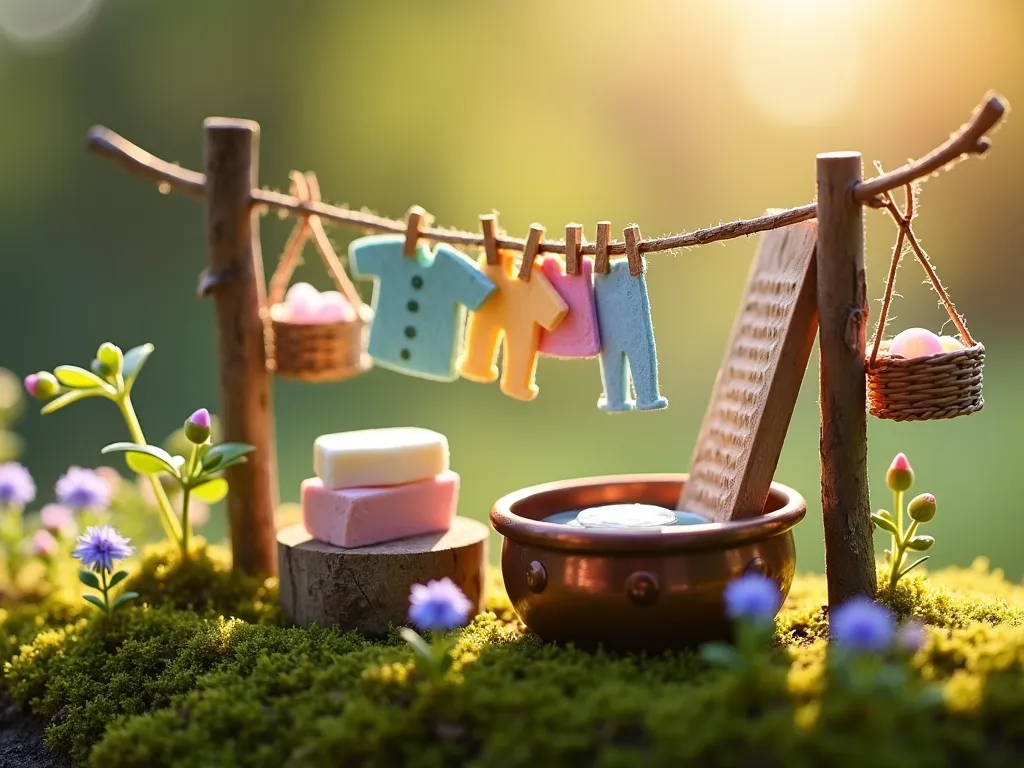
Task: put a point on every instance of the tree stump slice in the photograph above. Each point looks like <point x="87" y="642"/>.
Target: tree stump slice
<point x="367" y="588"/>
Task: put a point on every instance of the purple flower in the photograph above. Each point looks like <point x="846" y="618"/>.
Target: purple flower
<point x="83" y="489"/>
<point x="861" y="624"/>
<point x="438" y="605"/>
<point x="100" y="546"/>
<point x="43" y="544"/>
<point x="912" y="636"/>
<point x="32" y="383"/>
<point x="753" y="597"/>
<point x="16" y="485"/>
<point x="58" y="518"/>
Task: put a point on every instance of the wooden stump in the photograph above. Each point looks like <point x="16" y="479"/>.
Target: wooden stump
<point x="367" y="588"/>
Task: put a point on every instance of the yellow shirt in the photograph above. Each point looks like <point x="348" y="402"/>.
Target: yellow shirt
<point x="516" y="311"/>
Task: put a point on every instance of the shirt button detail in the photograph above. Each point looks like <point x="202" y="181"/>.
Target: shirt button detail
<point x="410" y="332"/>
<point x="417" y="282"/>
<point x="413" y="306"/>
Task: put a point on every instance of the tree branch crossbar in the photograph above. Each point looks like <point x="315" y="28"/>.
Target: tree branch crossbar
<point x="970" y="139"/>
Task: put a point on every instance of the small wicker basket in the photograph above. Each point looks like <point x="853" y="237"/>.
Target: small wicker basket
<point x="929" y="388"/>
<point x="315" y="352"/>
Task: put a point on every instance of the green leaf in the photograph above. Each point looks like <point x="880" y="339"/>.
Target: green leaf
<point x="909" y="568"/>
<point x="96" y="601"/>
<point x="226" y="455"/>
<point x="123" y="599"/>
<point x="134" y="359"/>
<point x="885" y="513"/>
<point x="211" y="491"/>
<point x="117" y="578"/>
<point x="419" y="645"/>
<point x="77" y="378"/>
<point x="68" y="398"/>
<point x="719" y="655"/>
<point x="89" y="579"/>
<point x="884" y="523"/>
<point x="144" y="459"/>
<point x="920" y="543"/>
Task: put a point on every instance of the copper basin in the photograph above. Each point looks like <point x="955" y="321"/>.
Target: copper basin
<point x="634" y="589"/>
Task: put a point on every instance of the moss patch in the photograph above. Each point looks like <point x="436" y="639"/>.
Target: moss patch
<point x="161" y="686"/>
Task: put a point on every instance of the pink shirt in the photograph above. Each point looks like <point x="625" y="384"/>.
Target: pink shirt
<point x="577" y="335"/>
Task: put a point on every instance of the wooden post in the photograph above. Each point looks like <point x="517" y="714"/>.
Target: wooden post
<point x="843" y="318"/>
<point x="231" y="160"/>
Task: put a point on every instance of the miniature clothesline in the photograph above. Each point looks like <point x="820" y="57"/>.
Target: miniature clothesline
<point x="969" y="139"/>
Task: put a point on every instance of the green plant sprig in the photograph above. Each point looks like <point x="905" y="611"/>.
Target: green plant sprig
<point x="112" y="375"/>
<point x="900" y="479"/>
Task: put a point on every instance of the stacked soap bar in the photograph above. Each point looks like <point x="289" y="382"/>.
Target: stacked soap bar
<point x="378" y="485"/>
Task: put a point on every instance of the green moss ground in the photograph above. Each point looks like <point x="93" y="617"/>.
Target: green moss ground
<point x="162" y="685"/>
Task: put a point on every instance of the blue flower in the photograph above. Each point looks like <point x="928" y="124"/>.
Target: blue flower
<point x="82" y="489"/>
<point x="16" y="485"/>
<point x="861" y="624"/>
<point x="752" y="597"/>
<point x="438" y="605"/>
<point x="100" y="546"/>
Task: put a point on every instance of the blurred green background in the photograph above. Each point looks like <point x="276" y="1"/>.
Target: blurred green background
<point x="673" y="115"/>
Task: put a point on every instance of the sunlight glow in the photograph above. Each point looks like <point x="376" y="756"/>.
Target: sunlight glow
<point x="798" y="62"/>
<point x="44" y="23"/>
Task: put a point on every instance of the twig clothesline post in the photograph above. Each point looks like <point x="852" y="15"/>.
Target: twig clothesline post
<point x="236" y="276"/>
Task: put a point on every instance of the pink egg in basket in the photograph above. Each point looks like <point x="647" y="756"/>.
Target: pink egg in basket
<point x="303" y="301"/>
<point x="335" y="308"/>
<point x="915" y="342"/>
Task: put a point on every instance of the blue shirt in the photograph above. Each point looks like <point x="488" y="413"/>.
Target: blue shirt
<point x="419" y="303"/>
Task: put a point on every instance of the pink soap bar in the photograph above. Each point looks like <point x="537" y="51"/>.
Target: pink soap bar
<point x="360" y="517"/>
<point x="577" y="335"/>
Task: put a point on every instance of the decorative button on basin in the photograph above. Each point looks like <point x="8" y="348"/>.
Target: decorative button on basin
<point x="536" y="577"/>
<point x="642" y="588"/>
<point x="417" y="282"/>
<point x="413" y="305"/>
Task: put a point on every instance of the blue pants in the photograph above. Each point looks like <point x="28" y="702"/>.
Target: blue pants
<point x="627" y="342"/>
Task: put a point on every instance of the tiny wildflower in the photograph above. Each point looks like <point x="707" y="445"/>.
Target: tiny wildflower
<point x="17" y="488"/>
<point x="911" y="636"/>
<point x="753" y="597"/>
<point x="82" y="489"/>
<point x="57" y="518"/>
<point x="862" y="625"/>
<point x="438" y="605"/>
<point x="43" y="544"/>
<point x="100" y="546"/>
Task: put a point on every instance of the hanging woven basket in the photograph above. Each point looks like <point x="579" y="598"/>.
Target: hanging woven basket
<point x="315" y="352"/>
<point x="931" y="387"/>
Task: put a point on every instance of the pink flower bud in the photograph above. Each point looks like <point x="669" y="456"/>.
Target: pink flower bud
<point x="900" y="476"/>
<point x="42" y="385"/>
<point x="922" y="508"/>
<point x="197" y="428"/>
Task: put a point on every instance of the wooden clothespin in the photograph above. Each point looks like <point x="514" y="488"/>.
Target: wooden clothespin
<point x="573" y="243"/>
<point x="636" y="261"/>
<point x="489" y="225"/>
<point x="413" y="221"/>
<point x="533" y="241"/>
<point x="604" y="231"/>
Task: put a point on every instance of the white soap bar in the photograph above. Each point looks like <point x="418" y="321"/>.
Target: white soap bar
<point x="626" y="516"/>
<point x="376" y="457"/>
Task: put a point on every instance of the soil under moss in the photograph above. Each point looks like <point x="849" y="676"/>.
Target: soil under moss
<point x="175" y="681"/>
